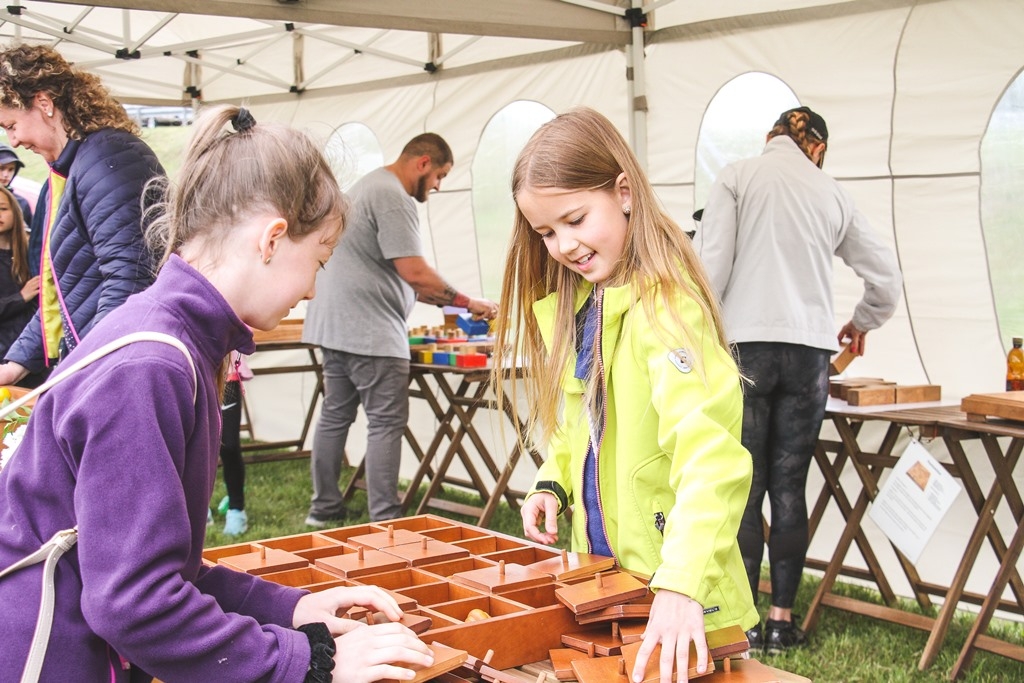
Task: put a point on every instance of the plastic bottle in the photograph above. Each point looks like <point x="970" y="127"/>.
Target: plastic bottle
<point x="1015" y="367"/>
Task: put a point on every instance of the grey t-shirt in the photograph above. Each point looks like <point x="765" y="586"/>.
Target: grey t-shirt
<point x="361" y="303"/>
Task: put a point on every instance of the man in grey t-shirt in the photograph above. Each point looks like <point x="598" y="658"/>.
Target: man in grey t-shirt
<point x="365" y="294"/>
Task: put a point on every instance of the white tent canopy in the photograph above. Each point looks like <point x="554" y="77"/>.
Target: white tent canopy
<point x="908" y="89"/>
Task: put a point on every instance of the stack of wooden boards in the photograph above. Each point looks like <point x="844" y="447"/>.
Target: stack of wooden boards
<point x="484" y="601"/>
<point x="874" y="391"/>
<point x="1008" y="405"/>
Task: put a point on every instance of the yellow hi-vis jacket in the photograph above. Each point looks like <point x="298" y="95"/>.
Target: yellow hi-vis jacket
<point x="673" y="478"/>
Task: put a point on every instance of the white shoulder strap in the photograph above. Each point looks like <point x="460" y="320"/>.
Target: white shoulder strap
<point x="64" y="540"/>
<point x="63" y="373"/>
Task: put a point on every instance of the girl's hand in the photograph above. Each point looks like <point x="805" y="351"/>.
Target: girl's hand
<point x="30" y="289"/>
<point x="370" y="653"/>
<point x="675" y="620"/>
<point x="325" y="605"/>
<point x="536" y="505"/>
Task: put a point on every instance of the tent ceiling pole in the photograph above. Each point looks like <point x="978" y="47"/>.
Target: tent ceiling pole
<point x="593" y="21"/>
<point x="636" y="83"/>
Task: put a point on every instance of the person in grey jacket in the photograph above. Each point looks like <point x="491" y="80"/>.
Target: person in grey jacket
<point x="768" y="235"/>
<point x="93" y="256"/>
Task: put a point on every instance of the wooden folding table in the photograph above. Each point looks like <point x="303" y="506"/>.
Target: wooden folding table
<point x="931" y="420"/>
<point x="285" y="337"/>
<point x="458" y="397"/>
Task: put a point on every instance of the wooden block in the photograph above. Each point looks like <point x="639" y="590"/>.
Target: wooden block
<point x="652" y="673"/>
<point x="839" y="387"/>
<point x="602" y="641"/>
<point x="561" y="662"/>
<point x="753" y="671"/>
<point x="426" y="551"/>
<point x="603" y="590"/>
<point x="918" y="393"/>
<point x="484" y="670"/>
<point x="841" y="360"/>
<point x="386" y="539"/>
<point x="417" y="623"/>
<point x="354" y="564"/>
<point x="632" y="631"/>
<point x="730" y="640"/>
<point x="1008" y="405"/>
<point x="876" y="395"/>
<point x="629" y="610"/>
<point x="445" y="659"/>
<point x="600" y="670"/>
<point x="264" y="561"/>
<point x="568" y="566"/>
<point x="502" y="578"/>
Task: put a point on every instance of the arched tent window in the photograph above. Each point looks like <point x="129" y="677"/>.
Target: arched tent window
<point x="353" y="151"/>
<point x="500" y="143"/>
<point x="1002" y="177"/>
<point x="735" y="123"/>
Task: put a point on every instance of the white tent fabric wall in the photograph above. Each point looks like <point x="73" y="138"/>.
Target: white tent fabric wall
<point x="907" y="87"/>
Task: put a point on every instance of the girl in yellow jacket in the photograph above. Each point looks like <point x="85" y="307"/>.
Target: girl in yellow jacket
<point x="630" y="383"/>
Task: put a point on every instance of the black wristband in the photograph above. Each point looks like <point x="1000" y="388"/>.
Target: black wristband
<point x="321" y="652"/>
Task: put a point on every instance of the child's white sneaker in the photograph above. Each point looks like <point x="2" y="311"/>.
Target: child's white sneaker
<point x="237" y="523"/>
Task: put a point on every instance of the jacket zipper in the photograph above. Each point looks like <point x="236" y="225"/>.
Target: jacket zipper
<point x="604" y="415"/>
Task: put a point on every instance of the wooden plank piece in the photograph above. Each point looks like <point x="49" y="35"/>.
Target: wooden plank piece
<point x="568" y="566"/>
<point x="502" y="578"/>
<point x="875" y="395"/>
<point x="445" y="659"/>
<point x="652" y="672"/>
<point x="562" y="659"/>
<point x="918" y="393"/>
<point x="603" y="590"/>
<point x="752" y="671"/>
<point x="1008" y="405"/>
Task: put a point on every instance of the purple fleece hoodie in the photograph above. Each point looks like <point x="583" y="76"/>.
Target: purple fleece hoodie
<point x="121" y="450"/>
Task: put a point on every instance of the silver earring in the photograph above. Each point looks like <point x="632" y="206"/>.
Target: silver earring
<point x="50" y="114"/>
<point x="626" y="209"/>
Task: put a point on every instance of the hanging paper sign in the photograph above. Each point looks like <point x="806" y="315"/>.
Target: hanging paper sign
<point x="913" y="500"/>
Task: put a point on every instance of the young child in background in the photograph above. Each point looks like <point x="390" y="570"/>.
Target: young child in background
<point x="126" y="449"/>
<point x="18" y="290"/>
<point x="10" y="164"/>
<point x="631" y="383"/>
<point x="236" y="522"/>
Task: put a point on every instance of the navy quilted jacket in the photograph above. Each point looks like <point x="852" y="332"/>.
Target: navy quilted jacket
<point x="96" y="246"/>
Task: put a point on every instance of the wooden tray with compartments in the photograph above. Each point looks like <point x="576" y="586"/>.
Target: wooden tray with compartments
<point x="439" y="568"/>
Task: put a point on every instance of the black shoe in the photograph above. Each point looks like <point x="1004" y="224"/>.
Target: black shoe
<point x="755" y="637"/>
<point x="780" y="636"/>
<point x="319" y="522"/>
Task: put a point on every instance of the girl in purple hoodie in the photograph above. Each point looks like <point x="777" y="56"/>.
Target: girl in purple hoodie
<point x="126" y="449"/>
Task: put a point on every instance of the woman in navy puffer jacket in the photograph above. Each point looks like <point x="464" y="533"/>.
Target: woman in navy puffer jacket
<point x="93" y="255"/>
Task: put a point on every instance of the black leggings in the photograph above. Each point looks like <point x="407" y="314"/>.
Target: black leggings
<point x="782" y="414"/>
<point x="231" y="444"/>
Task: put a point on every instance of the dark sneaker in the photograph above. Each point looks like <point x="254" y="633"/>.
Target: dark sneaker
<point x="780" y="636"/>
<point x="319" y="522"/>
<point x="755" y="637"/>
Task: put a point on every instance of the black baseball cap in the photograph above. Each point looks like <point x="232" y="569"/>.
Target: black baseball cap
<point x="815" y="124"/>
<point x="8" y="155"/>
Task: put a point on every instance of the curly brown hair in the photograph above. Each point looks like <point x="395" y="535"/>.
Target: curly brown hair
<point x="82" y="99"/>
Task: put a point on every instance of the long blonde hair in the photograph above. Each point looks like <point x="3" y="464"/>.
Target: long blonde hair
<point x="582" y="151"/>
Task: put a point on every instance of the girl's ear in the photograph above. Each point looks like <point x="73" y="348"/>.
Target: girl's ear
<point x="622" y="187"/>
<point x="270" y="237"/>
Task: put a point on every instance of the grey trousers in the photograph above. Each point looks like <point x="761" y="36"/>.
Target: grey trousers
<point x="381" y="385"/>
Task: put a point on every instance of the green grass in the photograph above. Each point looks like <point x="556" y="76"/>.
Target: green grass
<point x="844" y="648"/>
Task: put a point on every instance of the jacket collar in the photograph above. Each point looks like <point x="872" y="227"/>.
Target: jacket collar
<point x="67" y="156"/>
<point x="617" y="301"/>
